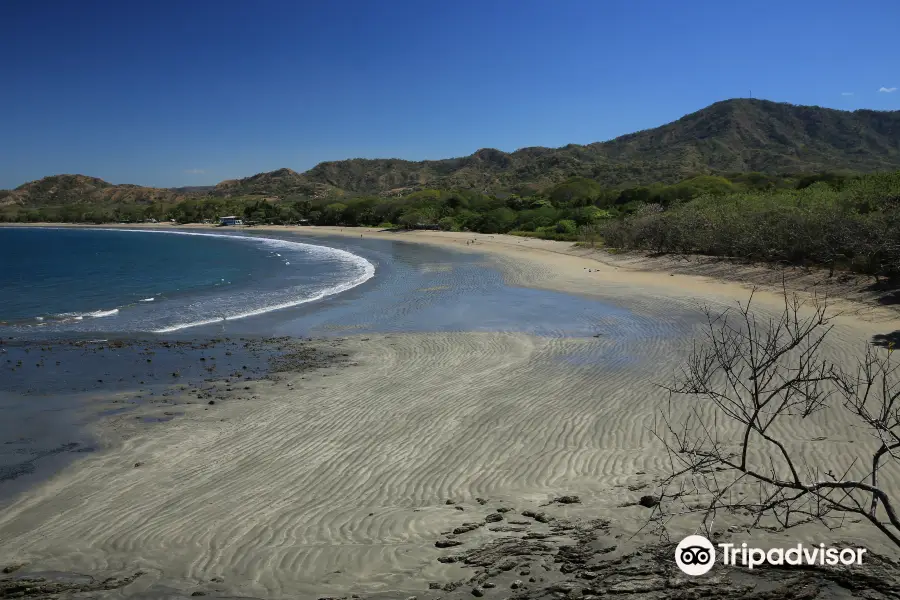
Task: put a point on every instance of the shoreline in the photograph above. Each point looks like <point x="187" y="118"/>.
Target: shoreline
<point x="563" y="267"/>
<point x="416" y="467"/>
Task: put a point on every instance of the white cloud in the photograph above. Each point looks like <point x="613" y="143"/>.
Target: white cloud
<point x="194" y="171"/>
<point x="846" y="93"/>
<point x="887" y="90"/>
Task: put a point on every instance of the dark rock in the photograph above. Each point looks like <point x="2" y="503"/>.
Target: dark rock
<point x="516" y="584"/>
<point x="211" y="402"/>
<point x="507" y="565"/>
<point x="648" y="501"/>
<point x="198" y="593"/>
<point x="567" y="500"/>
<point x="488" y="585"/>
<point x="13" y="568"/>
<point x="477" y="591"/>
<point x="447" y="543"/>
<point x="138" y="464"/>
<point x="480" y="500"/>
<point x="447" y="559"/>
<point x="540" y="517"/>
<point x="493" y="518"/>
<point x="466" y="528"/>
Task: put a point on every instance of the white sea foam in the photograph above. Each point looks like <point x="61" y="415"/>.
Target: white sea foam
<point x="367" y="272"/>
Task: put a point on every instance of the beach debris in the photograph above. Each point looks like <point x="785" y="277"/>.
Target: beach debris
<point x="138" y="464"/>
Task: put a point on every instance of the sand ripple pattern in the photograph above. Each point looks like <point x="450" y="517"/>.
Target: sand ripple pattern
<point x="338" y="485"/>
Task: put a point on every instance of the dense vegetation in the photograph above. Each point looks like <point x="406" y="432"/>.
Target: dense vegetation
<point x="848" y="223"/>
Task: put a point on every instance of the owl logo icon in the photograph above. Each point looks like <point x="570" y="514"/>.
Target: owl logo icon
<point x="695" y="555"/>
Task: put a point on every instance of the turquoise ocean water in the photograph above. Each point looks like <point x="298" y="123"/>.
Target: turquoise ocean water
<point x="129" y="281"/>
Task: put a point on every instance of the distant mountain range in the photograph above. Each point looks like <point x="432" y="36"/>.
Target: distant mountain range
<point x="739" y="135"/>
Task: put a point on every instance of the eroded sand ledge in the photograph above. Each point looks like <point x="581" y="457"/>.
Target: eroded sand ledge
<point x="338" y="481"/>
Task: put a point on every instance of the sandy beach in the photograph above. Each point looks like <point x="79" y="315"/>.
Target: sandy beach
<point x="340" y="480"/>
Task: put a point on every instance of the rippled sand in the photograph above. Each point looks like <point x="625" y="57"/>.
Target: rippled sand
<point x="337" y="482"/>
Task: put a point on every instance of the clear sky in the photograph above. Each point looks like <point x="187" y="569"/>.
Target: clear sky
<point x="191" y="92"/>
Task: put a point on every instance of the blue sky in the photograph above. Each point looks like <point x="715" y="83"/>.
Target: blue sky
<point x="193" y="92"/>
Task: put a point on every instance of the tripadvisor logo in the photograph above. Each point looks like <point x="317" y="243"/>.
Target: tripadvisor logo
<point x="696" y="555"/>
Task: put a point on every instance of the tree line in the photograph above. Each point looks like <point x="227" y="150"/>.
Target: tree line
<point x="841" y="220"/>
<point x="555" y="211"/>
<point x="849" y="223"/>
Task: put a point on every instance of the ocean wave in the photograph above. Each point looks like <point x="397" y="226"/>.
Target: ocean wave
<point x="93" y="314"/>
<point x="366" y="268"/>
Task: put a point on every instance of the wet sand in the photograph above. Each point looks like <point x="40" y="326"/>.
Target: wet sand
<point x="361" y="479"/>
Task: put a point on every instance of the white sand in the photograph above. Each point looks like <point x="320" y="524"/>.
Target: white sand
<point x="338" y="486"/>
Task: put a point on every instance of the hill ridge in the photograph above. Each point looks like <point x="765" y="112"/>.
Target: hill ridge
<point x="732" y="135"/>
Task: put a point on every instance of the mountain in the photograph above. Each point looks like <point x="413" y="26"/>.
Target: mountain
<point x="274" y="183"/>
<point x="737" y="135"/>
<point x="59" y="190"/>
